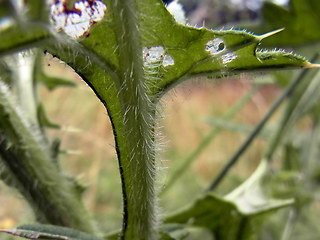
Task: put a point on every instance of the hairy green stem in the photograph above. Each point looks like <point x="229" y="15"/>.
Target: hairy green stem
<point x="136" y="153"/>
<point x="24" y="83"/>
<point x="53" y="197"/>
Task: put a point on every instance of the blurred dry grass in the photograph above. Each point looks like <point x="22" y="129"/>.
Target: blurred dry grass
<point x="184" y="128"/>
<point x="86" y="134"/>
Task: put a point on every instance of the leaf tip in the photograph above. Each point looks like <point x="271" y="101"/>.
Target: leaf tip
<point x="311" y="65"/>
<point x="269" y="34"/>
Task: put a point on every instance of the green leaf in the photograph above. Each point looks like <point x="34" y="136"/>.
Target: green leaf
<point x="50" y="82"/>
<point x="174" y="232"/>
<point x="238" y="215"/>
<point x="299" y="136"/>
<point x="252" y="189"/>
<point x="44" y="120"/>
<point x="39" y="231"/>
<point x="241" y="128"/>
<point x="288" y="184"/>
<point x="185" y="45"/>
<point x="224" y="218"/>
<point x="190" y="49"/>
<point x="167" y="232"/>
<point x="53" y="82"/>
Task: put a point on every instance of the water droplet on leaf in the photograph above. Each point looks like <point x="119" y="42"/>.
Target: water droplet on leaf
<point x="167" y="60"/>
<point x="228" y="57"/>
<point x="153" y="54"/>
<point x="215" y="46"/>
<point x="156" y="55"/>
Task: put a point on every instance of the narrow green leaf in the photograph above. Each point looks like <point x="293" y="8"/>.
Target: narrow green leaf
<point x="300" y="103"/>
<point x="38" y="231"/>
<point x="241" y="128"/>
<point x="50" y="82"/>
<point x="299" y="136"/>
<point x="53" y="82"/>
<point x="44" y="121"/>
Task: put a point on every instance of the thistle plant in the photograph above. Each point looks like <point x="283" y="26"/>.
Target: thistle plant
<point x="130" y="53"/>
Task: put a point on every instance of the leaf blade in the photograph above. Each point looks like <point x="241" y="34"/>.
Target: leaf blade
<point x="41" y="231"/>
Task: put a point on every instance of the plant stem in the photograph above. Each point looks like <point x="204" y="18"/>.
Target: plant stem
<point x="136" y="154"/>
<point x="23" y="81"/>
<point x="53" y="197"/>
<point x="287" y="233"/>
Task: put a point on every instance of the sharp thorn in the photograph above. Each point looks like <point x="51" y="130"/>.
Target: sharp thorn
<point x="263" y="36"/>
